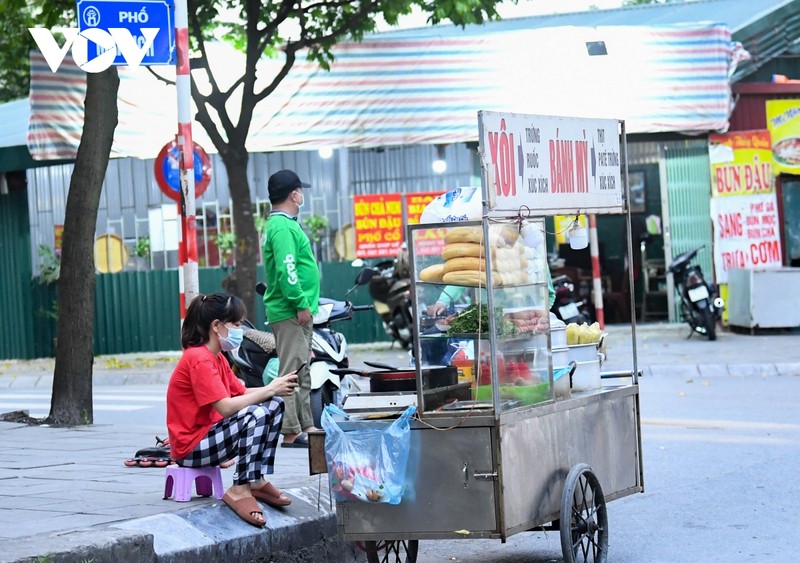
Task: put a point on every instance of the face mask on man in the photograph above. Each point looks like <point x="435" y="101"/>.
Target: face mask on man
<point x="233" y="340"/>
<point x="301" y="204"/>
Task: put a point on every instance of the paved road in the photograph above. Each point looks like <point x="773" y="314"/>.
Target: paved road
<point x="61" y="488"/>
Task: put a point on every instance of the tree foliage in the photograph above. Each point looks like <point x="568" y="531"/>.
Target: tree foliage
<point x="261" y="29"/>
<point x="16" y="43"/>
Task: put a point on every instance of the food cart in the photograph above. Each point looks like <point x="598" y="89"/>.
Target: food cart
<point x="509" y="446"/>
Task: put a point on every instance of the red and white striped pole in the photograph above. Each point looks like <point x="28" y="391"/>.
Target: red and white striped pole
<point x="597" y="288"/>
<point x="187" y="248"/>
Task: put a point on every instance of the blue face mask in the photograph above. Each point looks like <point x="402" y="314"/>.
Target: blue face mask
<point x="301" y="204"/>
<point x="233" y="340"/>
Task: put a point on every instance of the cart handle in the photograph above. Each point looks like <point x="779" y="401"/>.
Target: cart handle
<point x="621" y="374"/>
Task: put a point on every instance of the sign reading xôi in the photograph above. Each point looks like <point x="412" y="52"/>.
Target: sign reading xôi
<point x="379" y="225"/>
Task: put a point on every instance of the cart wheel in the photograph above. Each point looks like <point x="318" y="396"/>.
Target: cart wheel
<point x="584" y="520"/>
<point x="390" y="551"/>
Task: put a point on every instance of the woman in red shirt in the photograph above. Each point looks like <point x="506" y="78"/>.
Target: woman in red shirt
<point x="213" y="418"/>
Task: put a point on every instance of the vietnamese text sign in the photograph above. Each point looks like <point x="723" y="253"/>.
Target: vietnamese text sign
<point x="741" y="163"/>
<point x="379" y="224"/>
<point x="783" y="123"/>
<point x="746" y="233"/>
<point x="428" y="242"/>
<point x="550" y="164"/>
<point x="151" y="24"/>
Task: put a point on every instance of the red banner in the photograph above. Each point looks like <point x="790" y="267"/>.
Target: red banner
<point x="379" y="225"/>
<point x="430" y="241"/>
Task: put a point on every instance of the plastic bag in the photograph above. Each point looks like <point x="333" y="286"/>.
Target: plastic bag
<point x="271" y="370"/>
<point x="368" y="464"/>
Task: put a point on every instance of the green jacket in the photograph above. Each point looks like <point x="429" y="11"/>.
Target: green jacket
<point x="291" y="269"/>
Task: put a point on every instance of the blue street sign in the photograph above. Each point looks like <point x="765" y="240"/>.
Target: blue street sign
<point x="133" y="16"/>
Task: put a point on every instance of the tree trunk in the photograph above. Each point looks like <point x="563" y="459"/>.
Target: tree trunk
<point x="72" y="379"/>
<point x="242" y="280"/>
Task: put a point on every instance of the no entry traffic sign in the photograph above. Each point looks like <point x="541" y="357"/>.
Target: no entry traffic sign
<point x="168" y="174"/>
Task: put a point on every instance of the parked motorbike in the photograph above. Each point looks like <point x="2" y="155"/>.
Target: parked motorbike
<point x="328" y="352"/>
<point x="565" y="307"/>
<point x="701" y="305"/>
<point x="390" y="289"/>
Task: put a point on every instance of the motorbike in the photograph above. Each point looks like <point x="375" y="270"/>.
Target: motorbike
<point x="390" y="289"/>
<point x="701" y="306"/>
<point x="328" y="352"/>
<point x="565" y="307"/>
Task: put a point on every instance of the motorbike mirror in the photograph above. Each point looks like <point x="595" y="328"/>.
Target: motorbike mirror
<point x="261" y="288"/>
<point x="365" y="275"/>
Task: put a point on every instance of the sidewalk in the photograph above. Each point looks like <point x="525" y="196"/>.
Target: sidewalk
<point x="65" y="495"/>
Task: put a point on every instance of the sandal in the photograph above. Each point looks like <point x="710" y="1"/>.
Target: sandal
<point x="270" y="494"/>
<point x="148" y="461"/>
<point x="245" y="508"/>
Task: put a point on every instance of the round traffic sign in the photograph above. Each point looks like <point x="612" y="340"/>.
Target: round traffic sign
<point x="168" y="173"/>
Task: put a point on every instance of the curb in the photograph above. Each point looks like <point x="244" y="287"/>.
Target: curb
<point x="300" y="533"/>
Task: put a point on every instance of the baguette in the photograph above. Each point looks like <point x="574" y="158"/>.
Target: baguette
<point x="464" y="234"/>
<point x="432" y="273"/>
<point x="466" y="263"/>
<point x="465" y="277"/>
<point x="456" y="249"/>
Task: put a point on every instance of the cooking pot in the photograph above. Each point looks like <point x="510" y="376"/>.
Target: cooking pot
<point x="386" y="378"/>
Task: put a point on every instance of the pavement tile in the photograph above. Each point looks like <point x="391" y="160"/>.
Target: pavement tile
<point x="751" y="369"/>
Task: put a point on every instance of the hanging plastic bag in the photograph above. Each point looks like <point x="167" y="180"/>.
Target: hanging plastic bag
<point x="368" y="464"/>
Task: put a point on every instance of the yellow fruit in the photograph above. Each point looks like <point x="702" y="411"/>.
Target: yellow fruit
<point x="572" y="334"/>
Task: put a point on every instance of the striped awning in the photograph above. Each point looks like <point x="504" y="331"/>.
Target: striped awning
<point x="410" y="90"/>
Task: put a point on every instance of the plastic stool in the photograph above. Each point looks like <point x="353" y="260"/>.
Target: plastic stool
<point x="178" y="484"/>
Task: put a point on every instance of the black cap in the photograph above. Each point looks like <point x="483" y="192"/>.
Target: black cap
<point x="282" y="183"/>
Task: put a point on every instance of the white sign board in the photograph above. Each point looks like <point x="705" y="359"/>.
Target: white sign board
<point x="551" y="165"/>
<point x="747" y="233"/>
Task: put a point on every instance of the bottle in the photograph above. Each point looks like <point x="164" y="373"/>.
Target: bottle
<point x="463" y="363"/>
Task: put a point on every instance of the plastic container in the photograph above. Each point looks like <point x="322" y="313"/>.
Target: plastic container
<point x="586" y="376"/>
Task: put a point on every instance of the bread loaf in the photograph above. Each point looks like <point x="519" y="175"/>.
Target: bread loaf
<point x="465" y="277"/>
<point x="464" y="234"/>
<point x="464" y="263"/>
<point x="432" y="273"/>
<point x="456" y="249"/>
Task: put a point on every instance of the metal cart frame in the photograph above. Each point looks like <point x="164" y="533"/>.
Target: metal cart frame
<point x="494" y="474"/>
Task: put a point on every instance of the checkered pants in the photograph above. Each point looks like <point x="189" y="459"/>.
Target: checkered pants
<point x="251" y="435"/>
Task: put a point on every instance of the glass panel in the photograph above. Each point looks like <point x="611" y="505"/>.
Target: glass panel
<point x="482" y="321"/>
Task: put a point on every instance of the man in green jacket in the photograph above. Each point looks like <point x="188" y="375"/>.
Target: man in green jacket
<point x="292" y="298"/>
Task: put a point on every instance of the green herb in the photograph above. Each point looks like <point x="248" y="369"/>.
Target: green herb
<point x="468" y="322"/>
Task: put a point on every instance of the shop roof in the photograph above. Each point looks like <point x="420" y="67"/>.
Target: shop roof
<point x="426" y="85"/>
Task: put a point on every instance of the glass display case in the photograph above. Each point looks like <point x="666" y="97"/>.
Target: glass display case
<point x="481" y="306"/>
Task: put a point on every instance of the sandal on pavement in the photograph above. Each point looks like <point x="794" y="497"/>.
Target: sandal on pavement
<point x="301" y="441"/>
<point x="245" y="508"/>
<point x="270" y="494"/>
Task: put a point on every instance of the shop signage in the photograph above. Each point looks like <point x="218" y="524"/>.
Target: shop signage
<point x="783" y="123"/>
<point x="550" y="164"/>
<point x="378" y="224"/>
<point x="744" y="207"/>
<point x="427" y="242"/>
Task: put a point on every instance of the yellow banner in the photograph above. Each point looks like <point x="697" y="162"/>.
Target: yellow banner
<point x="783" y="122"/>
<point x="741" y="163"/>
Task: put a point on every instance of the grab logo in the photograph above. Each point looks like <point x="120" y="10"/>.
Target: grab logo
<point x="108" y="43"/>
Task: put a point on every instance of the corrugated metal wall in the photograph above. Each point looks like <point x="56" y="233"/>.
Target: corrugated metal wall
<point x="685" y="200"/>
<point x="138" y="311"/>
<point x="17" y="336"/>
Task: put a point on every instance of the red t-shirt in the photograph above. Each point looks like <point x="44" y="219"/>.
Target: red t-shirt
<point x="199" y="380"/>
